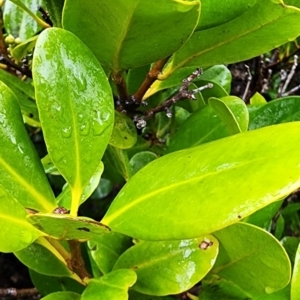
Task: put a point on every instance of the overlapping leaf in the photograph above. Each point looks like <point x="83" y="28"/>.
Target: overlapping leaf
<point x="75" y="106"/>
<point x="197" y="182"/>
<point x="119" y="28"/>
<point x="30" y="187"/>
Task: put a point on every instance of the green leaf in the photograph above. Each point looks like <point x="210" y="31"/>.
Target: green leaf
<point x="140" y="160"/>
<point x="201" y="127"/>
<point x="43" y="258"/>
<point x="124" y="133"/>
<point x="258" y="99"/>
<point x="18" y="22"/>
<point x="295" y="283"/>
<point x="16" y="233"/>
<point x="75" y="106"/>
<point x="117" y="159"/>
<point x="169" y="267"/>
<point x="211" y="16"/>
<point x="128" y="22"/>
<point x="218" y="74"/>
<point x="290" y="244"/>
<point x="235" y="117"/>
<point x="113" y="285"/>
<point x="239" y="39"/>
<point x="133" y="295"/>
<point x="247" y="261"/>
<point x="50" y="284"/>
<point x="21" y="171"/>
<point x="191" y="183"/>
<point x="264" y="216"/>
<point x="107" y="248"/>
<point x="62" y="296"/>
<point x="22" y="49"/>
<point x="55" y="8"/>
<point x="275" y="112"/>
<point x="25" y="95"/>
<point x="65" y="197"/>
<point x="67" y="227"/>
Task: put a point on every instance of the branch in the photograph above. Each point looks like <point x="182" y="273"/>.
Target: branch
<point x="183" y="93"/>
<point x="120" y="83"/>
<point x="10" y="64"/>
<point x="150" y="78"/>
<point x="20" y="293"/>
<point x="76" y="263"/>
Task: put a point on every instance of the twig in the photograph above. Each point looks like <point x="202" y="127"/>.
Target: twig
<point x="9" y="63"/>
<point x="20" y="293"/>
<point x="283" y="76"/>
<point x="150" y="78"/>
<point x="292" y="91"/>
<point x="249" y="79"/>
<point x="76" y="263"/>
<point x="183" y="93"/>
<point x="120" y="83"/>
<point x="45" y="15"/>
<point x="291" y="74"/>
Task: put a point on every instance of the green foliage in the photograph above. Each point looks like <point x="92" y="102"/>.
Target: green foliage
<point x="154" y="179"/>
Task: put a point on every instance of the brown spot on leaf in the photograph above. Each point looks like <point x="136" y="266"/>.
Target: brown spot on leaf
<point x="83" y="229"/>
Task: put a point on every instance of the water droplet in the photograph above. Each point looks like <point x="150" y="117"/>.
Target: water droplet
<point x="141" y="123"/>
<point x="20" y="148"/>
<point x="85" y="129"/>
<point x="97" y="128"/>
<point x="67" y="131"/>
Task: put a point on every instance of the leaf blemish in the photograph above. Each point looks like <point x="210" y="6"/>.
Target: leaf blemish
<point x="83" y="229"/>
<point x="205" y="244"/>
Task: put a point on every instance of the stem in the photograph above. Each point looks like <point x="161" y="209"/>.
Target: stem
<point x="150" y="78"/>
<point x="120" y="83"/>
<point x="10" y="64"/>
<point x="59" y="247"/>
<point x="77" y="263"/>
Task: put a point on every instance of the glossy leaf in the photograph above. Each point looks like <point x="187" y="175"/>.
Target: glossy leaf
<point x="235" y="117"/>
<point x="67" y="227"/>
<point x="16" y="233"/>
<point x="75" y="106"/>
<point x="43" y="258"/>
<point x="29" y="187"/>
<point x="169" y="267"/>
<point x="218" y="74"/>
<point x="107" y="248"/>
<point x="211" y="16"/>
<point x="275" y="112"/>
<point x="258" y="99"/>
<point x="201" y="127"/>
<point x="18" y="22"/>
<point x="128" y="22"/>
<point x="113" y="285"/>
<point x="248" y="263"/>
<point x="295" y="283"/>
<point x="140" y="160"/>
<point x="62" y="296"/>
<point x="65" y="197"/>
<point x="191" y="183"/>
<point x="50" y="284"/>
<point x="124" y="133"/>
<point x="222" y="44"/>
